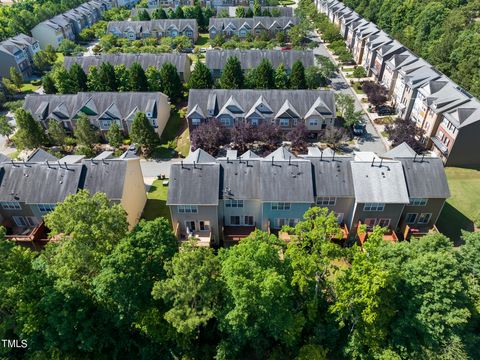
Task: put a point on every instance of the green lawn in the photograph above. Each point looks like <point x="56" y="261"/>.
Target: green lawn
<point x="463" y="207"/>
<point x="30" y="86"/>
<point x="157" y="202"/>
<point x="60" y="58"/>
<point x="203" y="40"/>
<point x="175" y="134"/>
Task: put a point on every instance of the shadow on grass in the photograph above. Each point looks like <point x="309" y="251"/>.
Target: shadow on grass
<point x="452" y="222"/>
<point x="156" y="208"/>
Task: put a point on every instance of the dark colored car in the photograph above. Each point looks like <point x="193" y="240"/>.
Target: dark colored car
<point x="359" y="129"/>
<point x="187" y="50"/>
<point x="385" y="110"/>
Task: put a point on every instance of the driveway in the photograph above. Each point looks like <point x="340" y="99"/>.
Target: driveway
<point x="370" y="141"/>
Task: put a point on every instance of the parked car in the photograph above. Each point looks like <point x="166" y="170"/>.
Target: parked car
<point x="285" y="48"/>
<point x="203" y="50"/>
<point x="385" y="110"/>
<point x="187" y="50"/>
<point x="359" y="129"/>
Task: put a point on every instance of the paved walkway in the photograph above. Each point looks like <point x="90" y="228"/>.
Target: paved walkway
<point x="371" y="140"/>
<point x="154" y="168"/>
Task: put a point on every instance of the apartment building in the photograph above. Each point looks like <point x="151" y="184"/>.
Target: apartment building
<point x="359" y="38"/>
<point x="18" y="52"/>
<point x="181" y="61"/>
<point x="30" y="190"/>
<point x="286" y="108"/>
<point x="392" y="66"/>
<point x="102" y="109"/>
<point x="134" y="30"/>
<point x="223" y="200"/>
<point x="69" y="24"/>
<point x="249" y="59"/>
<point x="255" y="26"/>
<point x="273" y="10"/>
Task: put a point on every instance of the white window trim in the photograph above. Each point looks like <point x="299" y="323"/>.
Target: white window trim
<point x="187" y="209"/>
<point x="326" y="200"/>
<point x="374" y="207"/>
<point x="384" y="219"/>
<point x="232" y="203"/>
<point x="429" y="217"/>
<point x="206" y="225"/>
<point x="11" y="205"/>
<point x="367" y="220"/>
<point x="189" y="222"/>
<point x="418" y="201"/>
<point x="411" y="222"/>
<point x="284" y="206"/>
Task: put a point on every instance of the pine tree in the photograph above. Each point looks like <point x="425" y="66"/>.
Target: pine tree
<point x="240" y="12"/>
<point x="154" y="79"/>
<point x="281" y="77"/>
<point x="143" y="133"/>
<point x="122" y="77"/>
<point x="257" y="8"/>
<point x="48" y="85"/>
<point x="30" y="134"/>
<point x="106" y="74"/>
<point x="200" y="78"/>
<point x="137" y="78"/>
<point x="79" y="77"/>
<point x="179" y="13"/>
<point x="16" y="77"/>
<point x="143" y="15"/>
<point x="232" y="75"/>
<point x="297" y="77"/>
<point x="264" y="75"/>
<point x="114" y="135"/>
<point x="56" y="132"/>
<point x="5" y="128"/>
<point x="171" y="84"/>
<point x="84" y="132"/>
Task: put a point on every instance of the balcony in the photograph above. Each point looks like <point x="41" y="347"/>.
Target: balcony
<point x="440" y="145"/>
<point x="390" y="235"/>
<point x="233" y="234"/>
<point x="34" y="237"/>
<point x="203" y="237"/>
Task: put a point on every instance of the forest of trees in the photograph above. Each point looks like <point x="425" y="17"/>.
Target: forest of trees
<point x="445" y="33"/>
<point x="102" y="291"/>
<point x="22" y="16"/>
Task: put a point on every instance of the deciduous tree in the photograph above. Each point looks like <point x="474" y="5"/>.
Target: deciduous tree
<point x="56" y="132"/>
<point x="85" y="133"/>
<point x="30" y="134"/>
<point x="114" y="135"/>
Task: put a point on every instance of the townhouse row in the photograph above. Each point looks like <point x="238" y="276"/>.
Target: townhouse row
<point x="204" y="3"/>
<point x="286" y="108"/>
<point x="101" y="108"/>
<point x="242" y="27"/>
<point x="448" y="114"/>
<point x="18" y="52"/>
<point x="220" y="201"/>
<point x="29" y="190"/>
<point x="69" y="24"/>
<point x="135" y="30"/>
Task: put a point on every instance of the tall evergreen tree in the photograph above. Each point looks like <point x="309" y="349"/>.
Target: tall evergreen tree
<point x="84" y="132"/>
<point x="297" y="77"/>
<point x="143" y="15"/>
<point x="143" y="133"/>
<point x="281" y="77"/>
<point x="137" y="78"/>
<point x="114" y="135"/>
<point x="16" y="77"/>
<point x="79" y="77"/>
<point x="56" y="132"/>
<point x="49" y="84"/>
<point x="179" y="13"/>
<point x="232" y="75"/>
<point x="106" y="74"/>
<point x="264" y="75"/>
<point x="30" y="134"/>
<point x="201" y="77"/>
<point x="171" y="84"/>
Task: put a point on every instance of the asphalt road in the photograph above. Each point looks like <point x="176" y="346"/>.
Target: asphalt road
<point x="370" y="141"/>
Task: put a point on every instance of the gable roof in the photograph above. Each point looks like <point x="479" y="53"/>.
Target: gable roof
<point x="263" y="21"/>
<point x="379" y="184"/>
<point x="107" y="176"/>
<point x="40" y="155"/>
<point x="216" y="59"/>
<point x="333" y="176"/>
<point x="402" y="150"/>
<point x="151" y="25"/>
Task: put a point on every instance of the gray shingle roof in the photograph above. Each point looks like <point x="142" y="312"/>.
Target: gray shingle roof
<point x="199" y="156"/>
<point x="333" y="176"/>
<point x="402" y="150"/>
<point x="194" y="184"/>
<point x="38" y="183"/>
<point x="41" y="155"/>
<point x="240" y="179"/>
<point x="286" y="181"/>
<point x="379" y="184"/>
<point x="146" y="60"/>
<point x="425" y="177"/>
<point x="151" y="25"/>
<point x="465" y="114"/>
<point x="216" y="59"/>
<point x="301" y="100"/>
<point x="284" y="10"/>
<point x="107" y="176"/>
<point x="266" y="22"/>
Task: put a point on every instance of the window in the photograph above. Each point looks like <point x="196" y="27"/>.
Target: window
<point x="234" y="220"/>
<point x="411" y="218"/>
<point x="254" y="122"/>
<point x="281" y="206"/>
<point x="279" y="222"/>
<point x="370" y="222"/>
<point x="418" y="201"/>
<point x="195" y="121"/>
<point x="384" y="222"/>
<point x="326" y="201"/>
<point x="283" y="122"/>
<point x="190" y="225"/>
<point x="204" y="225"/>
<point x="234" y="203"/>
<point x="11" y="205"/>
<point x="248" y="220"/>
<point x="226" y="121"/>
<point x="374" y="207"/>
<point x="45" y="208"/>
<point x="20" y="221"/>
<point x="424" y="218"/>
<point x="339" y="217"/>
<point x="187" y="209"/>
<point x="313" y="122"/>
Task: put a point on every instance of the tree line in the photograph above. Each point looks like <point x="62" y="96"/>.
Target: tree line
<point x="102" y="291"/>
<point x="445" y="33"/>
<point x="107" y="77"/>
